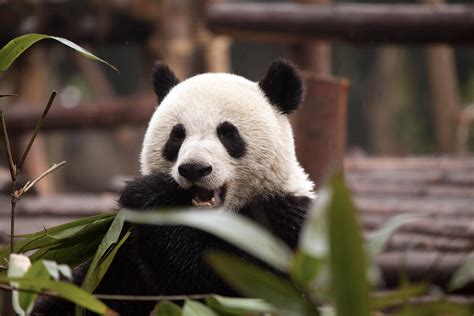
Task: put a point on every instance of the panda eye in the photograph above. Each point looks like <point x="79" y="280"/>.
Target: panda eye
<point x="178" y="133"/>
<point x="227" y="130"/>
<point x="230" y="137"/>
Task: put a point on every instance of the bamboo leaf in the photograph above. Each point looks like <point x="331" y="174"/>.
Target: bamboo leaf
<point x="230" y="227"/>
<point x="96" y="270"/>
<point x="94" y="225"/>
<point x="378" y="239"/>
<point x="464" y="274"/>
<point x="107" y="261"/>
<point x="72" y="255"/>
<point x="305" y="268"/>
<point x="18" y="266"/>
<point x="13" y="49"/>
<point x="238" y="306"/>
<point x="257" y="282"/>
<point x="347" y="258"/>
<point x="194" y="308"/>
<point x="166" y="308"/>
<point x="310" y="266"/>
<point x="93" y="276"/>
<point x="63" y="229"/>
<point x="440" y="308"/>
<point x="65" y="290"/>
<point x="397" y="297"/>
<point x="56" y="270"/>
<point x="37" y="271"/>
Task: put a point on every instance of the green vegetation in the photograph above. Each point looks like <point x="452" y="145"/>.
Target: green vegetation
<point x="328" y="272"/>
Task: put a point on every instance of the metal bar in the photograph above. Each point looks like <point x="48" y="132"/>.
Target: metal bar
<point x="356" y="23"/>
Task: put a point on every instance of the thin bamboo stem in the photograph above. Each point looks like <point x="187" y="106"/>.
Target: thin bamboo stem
<point x="30" y="184"/>
<point x="37" y="128"/>
<point x="8" y="149"/>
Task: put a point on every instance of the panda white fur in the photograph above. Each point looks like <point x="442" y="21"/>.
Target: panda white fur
<point x="215" y="140"/>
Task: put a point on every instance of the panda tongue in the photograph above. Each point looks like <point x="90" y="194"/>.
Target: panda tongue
<point x="204" y="195"/>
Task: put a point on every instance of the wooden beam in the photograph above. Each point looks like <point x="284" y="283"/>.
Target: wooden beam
<point x="107" y="113"/>
<point x="356" y="23"/>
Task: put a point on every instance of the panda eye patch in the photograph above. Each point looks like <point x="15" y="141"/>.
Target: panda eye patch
<point x="175" y="140"/>
<point x="178" y="133"/>
<point x="227" y="129"/>
<point x="230" y="137"/>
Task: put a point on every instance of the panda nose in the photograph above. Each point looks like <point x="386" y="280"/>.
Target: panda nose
<point x="193" y="172"/>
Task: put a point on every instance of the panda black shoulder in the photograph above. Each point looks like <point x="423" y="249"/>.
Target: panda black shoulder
<point x="283" y="214"/>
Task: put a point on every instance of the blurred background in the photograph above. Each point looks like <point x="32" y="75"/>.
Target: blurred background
<point x="390" y="98"/>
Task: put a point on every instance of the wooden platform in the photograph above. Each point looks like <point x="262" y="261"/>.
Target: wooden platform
<point x="432" y="247"/>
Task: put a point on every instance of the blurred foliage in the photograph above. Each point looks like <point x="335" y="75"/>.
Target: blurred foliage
<point x="328" y="274"/>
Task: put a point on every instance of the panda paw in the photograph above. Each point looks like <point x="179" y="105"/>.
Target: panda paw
<point x="152" y="191"/>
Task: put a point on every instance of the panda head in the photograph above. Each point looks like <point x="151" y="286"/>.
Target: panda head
<point x="225" y="138"/>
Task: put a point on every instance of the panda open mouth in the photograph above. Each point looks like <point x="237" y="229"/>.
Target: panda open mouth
<point x="207" y="198"/>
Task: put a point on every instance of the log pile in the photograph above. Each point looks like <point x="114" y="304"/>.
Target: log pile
<point x="440" y="189"/>
<point x="429" y="248"/>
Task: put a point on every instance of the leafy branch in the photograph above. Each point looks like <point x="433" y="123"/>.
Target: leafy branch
<point x="15" y="193"/>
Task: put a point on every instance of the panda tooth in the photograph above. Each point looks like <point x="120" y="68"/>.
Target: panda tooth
<point x="195" y="203"/>
<point x="213" y="201"/>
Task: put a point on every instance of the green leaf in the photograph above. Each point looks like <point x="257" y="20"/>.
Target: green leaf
<point x="194" y="308"/>
<point x="107" y="260"/>
<point x="97" y="270"/>
<point x="53" y="242"/>
<point x="397" y="297"/>
<point x="93" y="275"/>
<point x="166" y="308"/>
<point x="70" y="237"/>
<point x="67" y="291"/>
<point x="464" y="275"/>
<point x="238" y="306"/>
<point x="314" y="233"/>
<point x="72" y="255"/>
<point x="378" y="239"/>
<point x="347" y="258"/>
<point x="18" y="45"/>
<point x="62" y="229"/>
<point x="56" y="270"/>
<point x="228" y="226"/>
<point x="257" y="282"/>
<point x="311" y="263"/>
<point x="24" y="300"/>
<point x="440" y="308"/>
<point x="305" y="268"/>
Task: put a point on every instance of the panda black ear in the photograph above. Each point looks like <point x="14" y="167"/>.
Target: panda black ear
<point x="283" y="85"/>
<point x="163" y="80"/>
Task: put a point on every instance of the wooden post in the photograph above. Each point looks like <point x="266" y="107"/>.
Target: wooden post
<point x="320" y="126"/>
<point x="178" y="38"/>
<point x="212" y="50"/>
<point x="312" y="55"/>
<point x="382" y="100"/>
<point x="444" y="88"/>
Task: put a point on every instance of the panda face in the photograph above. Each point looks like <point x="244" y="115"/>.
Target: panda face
<point x="220" y="137"/>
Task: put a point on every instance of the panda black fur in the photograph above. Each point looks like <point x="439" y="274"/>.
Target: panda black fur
<point x="215" y="140"/>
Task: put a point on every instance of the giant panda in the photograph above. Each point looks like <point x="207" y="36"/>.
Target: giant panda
<point x="215" y="141"/>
